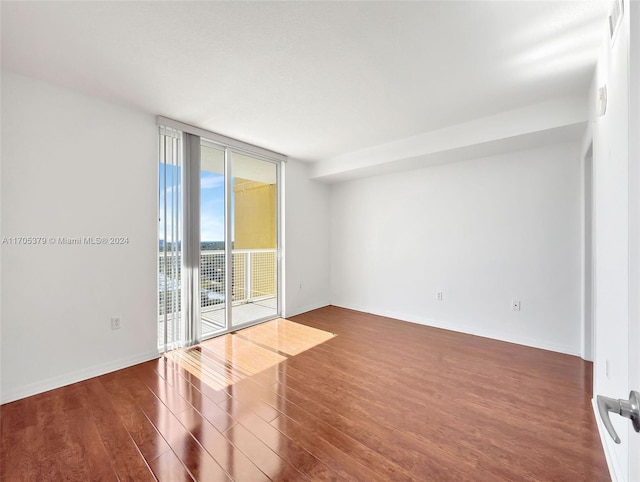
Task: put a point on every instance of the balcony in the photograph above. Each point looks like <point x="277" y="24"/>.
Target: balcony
<point x="254" y="288"/>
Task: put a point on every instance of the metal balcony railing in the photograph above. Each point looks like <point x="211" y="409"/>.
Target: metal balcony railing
<point x="254" y="278"/>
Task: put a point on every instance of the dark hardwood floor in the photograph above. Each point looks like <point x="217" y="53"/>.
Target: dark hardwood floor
<point x="332" y="394"/>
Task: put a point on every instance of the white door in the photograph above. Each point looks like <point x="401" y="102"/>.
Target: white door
<point x="634" y="217"/>
<point x="617" y="241"/>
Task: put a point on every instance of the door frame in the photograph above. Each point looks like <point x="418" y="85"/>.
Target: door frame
<point x="588" y="327"/>
<point x="634" y="225"/>
<point x="228" y="168"/>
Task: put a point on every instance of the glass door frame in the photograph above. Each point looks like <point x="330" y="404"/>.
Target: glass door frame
<point x="228" y="236"/>
<point x="229" y="152"/>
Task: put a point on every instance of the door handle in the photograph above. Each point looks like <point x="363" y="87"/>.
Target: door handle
<point x="626" y="408"/>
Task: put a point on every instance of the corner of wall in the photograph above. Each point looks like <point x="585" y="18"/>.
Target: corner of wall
<point x="307" y="229"/>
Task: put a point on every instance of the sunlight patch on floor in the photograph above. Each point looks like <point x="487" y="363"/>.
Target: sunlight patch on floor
<point x="227" y="359"/>
<point x="286" y="336"/>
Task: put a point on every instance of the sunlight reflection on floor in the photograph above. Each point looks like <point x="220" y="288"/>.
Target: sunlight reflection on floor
<point x="225" y="360"/>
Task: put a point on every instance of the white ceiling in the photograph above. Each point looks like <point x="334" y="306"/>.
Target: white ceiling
<point x="312" y="80"/>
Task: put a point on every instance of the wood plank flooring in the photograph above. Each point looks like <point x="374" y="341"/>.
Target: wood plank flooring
<point x="332" y="394"/>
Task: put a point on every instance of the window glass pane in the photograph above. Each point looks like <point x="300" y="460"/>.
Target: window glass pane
<point x="212" y="241"/>
<point x="254" y="228"/>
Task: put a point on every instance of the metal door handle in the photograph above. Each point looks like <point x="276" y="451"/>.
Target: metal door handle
<point x="626" y="408"/>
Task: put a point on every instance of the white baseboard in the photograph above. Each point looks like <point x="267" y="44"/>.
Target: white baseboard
<point x="74" y="377"/>
<point x="303" y="309"/>
<point x="542" y="344"/>
<point x="615" y="471"/>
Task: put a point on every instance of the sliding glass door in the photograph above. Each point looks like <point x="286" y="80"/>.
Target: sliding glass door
<point x="255" y="239"/>
<point x="252" y="195"/>
<point x="213" y="293"/>
<point x="219" y="239"/>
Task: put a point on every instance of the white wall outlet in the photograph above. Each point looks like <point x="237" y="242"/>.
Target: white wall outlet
<point x="439" y="296"/>
<point x="115" y="323"/>
<point x="515" y="305"/>
<point x="607" y="369"/>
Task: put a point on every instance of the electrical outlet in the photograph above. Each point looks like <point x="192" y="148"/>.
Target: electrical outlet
<point x="607" y="369"/>
<point x="439" y="296"/>
<point x="515" y="305"/>
<point x="115" y="323"/>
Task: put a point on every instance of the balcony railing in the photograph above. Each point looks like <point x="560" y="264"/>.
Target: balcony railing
<point x="254" y="273"/>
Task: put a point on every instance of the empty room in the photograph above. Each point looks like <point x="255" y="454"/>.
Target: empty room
<point x="320" y="240"/>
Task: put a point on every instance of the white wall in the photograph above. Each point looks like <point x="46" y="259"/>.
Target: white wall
<point x="72" y="166"/>
<point x="485" y="232"/>
<point x="306" y="240"/>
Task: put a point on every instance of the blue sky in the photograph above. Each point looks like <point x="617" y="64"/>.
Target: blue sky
<point x="211" y="206"/>
<point x="211" y="203"/>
